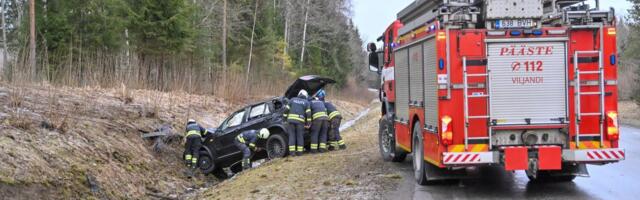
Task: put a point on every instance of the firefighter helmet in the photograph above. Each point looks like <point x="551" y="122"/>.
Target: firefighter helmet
<point x="303" y="93"/>
<point x="191" y="121"/>
<point x="264" y="133"/>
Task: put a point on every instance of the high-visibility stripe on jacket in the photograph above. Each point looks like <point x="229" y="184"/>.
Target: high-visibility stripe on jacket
<point x="334" y="114"/>
<point x="298" y="109"/>
<point x="248" y="137"/>
<point x="318" y="109"/>
<point x="194" y="128"/>
<point x="332" y="110"/>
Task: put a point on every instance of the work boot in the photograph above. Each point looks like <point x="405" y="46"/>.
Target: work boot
<point x="313" y="151"/>
<point x="322" y="150"/>
<point x="299" y="153"/>
<point x="344" y="146"/>
<point x="292" y="154"/>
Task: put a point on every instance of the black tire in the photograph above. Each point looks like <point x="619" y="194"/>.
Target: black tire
<point x="206" y="162"/>
<point x="276" y="146"/>
<point x="387" y="141"/>
<point x="419" y="165"/>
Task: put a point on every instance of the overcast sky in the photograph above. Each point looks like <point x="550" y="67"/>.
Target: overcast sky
<point x="373" y="16"/>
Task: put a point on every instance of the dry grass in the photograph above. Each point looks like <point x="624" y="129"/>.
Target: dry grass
<point x="355" y="173"/>
<point x="629" y="113"/>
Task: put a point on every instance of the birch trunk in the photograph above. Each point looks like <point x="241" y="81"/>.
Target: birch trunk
<point x="253" y="31"/>
<point x="304" y="33"/>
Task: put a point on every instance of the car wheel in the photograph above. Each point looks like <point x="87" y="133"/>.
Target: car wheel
<point x="206" y="162"/>
<point x="276" y="146"/>
<point x="387" y="141"/>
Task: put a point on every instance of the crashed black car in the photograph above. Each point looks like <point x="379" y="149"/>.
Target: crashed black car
<point x="219" y="152"/>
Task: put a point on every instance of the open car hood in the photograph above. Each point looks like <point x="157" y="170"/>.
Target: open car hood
<point x="311" y="83"/>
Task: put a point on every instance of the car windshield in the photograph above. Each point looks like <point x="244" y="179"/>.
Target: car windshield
<point x="234" y="120"/>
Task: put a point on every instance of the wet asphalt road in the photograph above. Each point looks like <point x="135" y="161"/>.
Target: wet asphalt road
<point x="613" y="181"/>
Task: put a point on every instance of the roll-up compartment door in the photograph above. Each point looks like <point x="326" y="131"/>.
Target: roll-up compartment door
<point x="415" y="75"/>
<point x="430" y="85"/>
<point x="402" y="84"/>
<point x="527" y="82"/>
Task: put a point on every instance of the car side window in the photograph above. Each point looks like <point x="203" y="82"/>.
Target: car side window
<point x="234" y="120"/>
<point x="258" y="110"/>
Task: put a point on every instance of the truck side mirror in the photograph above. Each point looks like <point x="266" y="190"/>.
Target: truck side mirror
<point x="374" y="61"/>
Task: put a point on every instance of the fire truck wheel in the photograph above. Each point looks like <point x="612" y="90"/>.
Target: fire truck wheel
<point x="387" y="142"/>
<point x="419" y="165"/>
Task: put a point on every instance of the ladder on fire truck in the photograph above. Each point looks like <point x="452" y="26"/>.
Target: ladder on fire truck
<point x="578" y="84"/>
<point x="467" y="117"/>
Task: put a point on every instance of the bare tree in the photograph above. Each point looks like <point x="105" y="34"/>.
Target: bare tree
<point x="224" y="38"/>
<point x="32" y="40"/>
<point x="304" y="33"/>
<point x="4" y="38"/>
<point x="253" y="32"/>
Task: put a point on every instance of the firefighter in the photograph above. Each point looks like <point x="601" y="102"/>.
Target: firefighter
<point x="319" y="126"/>
<point x="194" y="133"/>
<point x="335" y="118"/>
<point x="246" y="142"/>
<point x="298" y="113"/>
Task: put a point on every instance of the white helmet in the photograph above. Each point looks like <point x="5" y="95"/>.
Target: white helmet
<point x="303" y="93"/>
<point x="264" y="133"/>
<point x="190" y="121"/>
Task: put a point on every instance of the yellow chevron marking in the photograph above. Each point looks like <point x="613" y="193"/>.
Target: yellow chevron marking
<point x="457" y="148"/>
<point x="479" y="148"/>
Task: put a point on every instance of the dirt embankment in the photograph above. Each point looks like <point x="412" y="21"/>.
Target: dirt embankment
<point x="76" y="143"/>
<point x="355" y="173"/>
<point x="629" y="113"/>
<point x="80" y="143"/>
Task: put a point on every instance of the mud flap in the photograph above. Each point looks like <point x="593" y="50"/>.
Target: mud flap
<point x="549" y="158"/>
<point x="437" y="173"/>
<point x="516" y="158"/>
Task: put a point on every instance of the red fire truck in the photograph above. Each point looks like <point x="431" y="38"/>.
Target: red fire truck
<point x="524" y="84"/>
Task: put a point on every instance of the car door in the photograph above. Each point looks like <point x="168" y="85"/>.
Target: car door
<point x="230" y="128"/>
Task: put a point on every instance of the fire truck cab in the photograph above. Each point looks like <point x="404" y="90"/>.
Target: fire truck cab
<point x="524" y="84"/>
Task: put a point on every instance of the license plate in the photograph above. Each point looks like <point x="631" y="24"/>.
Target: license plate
<point x="514" y="23"/>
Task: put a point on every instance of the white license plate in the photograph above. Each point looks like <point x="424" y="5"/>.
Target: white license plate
<point x="514" y="23"/>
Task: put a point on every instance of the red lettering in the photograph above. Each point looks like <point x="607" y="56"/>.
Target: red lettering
<point x="504" y="50"/>
<point x="549" y="50"/>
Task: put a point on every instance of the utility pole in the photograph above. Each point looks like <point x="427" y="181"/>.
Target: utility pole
<point x="32" y="40"/>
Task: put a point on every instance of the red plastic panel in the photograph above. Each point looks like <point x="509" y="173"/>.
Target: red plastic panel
<point x="549" y="158"/>
<point x="516" y="158"/>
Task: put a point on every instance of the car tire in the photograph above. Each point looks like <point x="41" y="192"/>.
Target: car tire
<point x="387" y="141"/>
<point x="276" y="146"/>
<point x="206" y="162"/>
